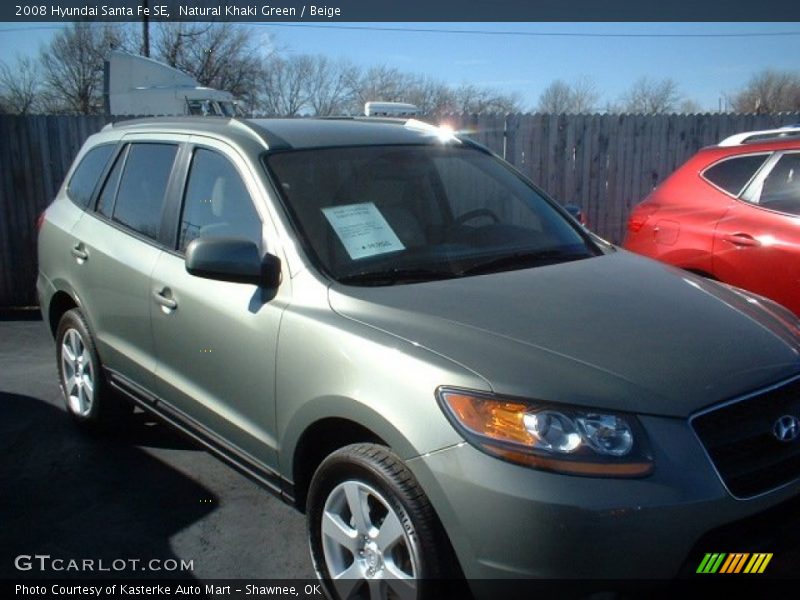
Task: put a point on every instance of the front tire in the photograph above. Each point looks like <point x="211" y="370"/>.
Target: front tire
<point x="90" y="401"/>
<point x="372" y="531"/>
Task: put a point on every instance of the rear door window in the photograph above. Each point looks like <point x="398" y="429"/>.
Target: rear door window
<point x="84" y="179"/>
<point x="733" y="174"/>
<point x="780" y="190"/>
<point x="105" y="202"/>
<point x="143" y="187"/>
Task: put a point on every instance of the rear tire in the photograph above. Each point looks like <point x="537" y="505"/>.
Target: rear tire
<point x="90" y="401"/>
<point x="372" y="531"/>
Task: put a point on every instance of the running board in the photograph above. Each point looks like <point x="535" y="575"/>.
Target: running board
<point x="227" y="453"/>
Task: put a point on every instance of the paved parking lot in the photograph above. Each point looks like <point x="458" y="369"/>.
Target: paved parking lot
<point x="146" y="494"/>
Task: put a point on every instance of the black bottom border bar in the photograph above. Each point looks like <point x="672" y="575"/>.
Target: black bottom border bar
<point x="758" y="586"/>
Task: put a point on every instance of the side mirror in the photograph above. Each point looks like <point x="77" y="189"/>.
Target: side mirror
<point x="232" y="259"/>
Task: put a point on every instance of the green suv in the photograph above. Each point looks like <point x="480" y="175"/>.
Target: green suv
<point x="394" y="331"/>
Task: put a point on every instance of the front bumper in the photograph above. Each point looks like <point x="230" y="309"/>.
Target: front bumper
<point x="506" y="520"/>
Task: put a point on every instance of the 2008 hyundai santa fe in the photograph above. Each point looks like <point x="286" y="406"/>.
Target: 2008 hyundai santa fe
<point x="397" y="333"/>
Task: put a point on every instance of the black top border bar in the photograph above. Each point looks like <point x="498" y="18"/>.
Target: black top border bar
<point x="402" y="11"/>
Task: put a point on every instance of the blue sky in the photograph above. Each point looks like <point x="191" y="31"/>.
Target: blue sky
<point x="705" y="67"/>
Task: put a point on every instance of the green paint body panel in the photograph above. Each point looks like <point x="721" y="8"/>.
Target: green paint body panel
<point x="257" y="368"/>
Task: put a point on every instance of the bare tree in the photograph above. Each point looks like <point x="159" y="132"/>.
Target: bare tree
<point x="312" y="84"/>
<point x="329" y="86"/>
<point x="223" y="56"/>
<point x="379" y="83"/>
<point x="470" y="98"/>
<point x="556" y="98"/>
<point x="20" y="86"/>
<point x="72" y="67"/>
<point x="584" y="95"/>
<point x="769" y="91"/>
<point x="387" y="84"/>
<point x="562" y="97"/>
<point x="284" y="86"/>
<point x="689" y="107"/>
<point x="432" y="97"/>
<point x="648" y="96"/>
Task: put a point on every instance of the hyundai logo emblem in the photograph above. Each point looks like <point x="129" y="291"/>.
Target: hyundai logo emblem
<point x="786" y="429"/>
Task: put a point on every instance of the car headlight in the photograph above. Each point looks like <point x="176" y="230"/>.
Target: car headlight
<point x="551" y="437"/>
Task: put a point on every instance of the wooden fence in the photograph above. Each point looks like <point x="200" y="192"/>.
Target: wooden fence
<point x="35" y="154"/>
<point x="603" y="163"/>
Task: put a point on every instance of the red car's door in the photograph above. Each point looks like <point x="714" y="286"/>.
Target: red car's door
<point x="757" y="242"/>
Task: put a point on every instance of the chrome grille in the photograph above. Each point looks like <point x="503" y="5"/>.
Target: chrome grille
<point x="739" y="439"/>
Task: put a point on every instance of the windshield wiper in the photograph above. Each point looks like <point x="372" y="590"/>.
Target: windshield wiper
<point x="523" y="259"/>
<point x="495" y="263"/>
<point x="396" y="275"/>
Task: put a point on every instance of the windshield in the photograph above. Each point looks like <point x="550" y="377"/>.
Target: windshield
<point x="382" y="215"/>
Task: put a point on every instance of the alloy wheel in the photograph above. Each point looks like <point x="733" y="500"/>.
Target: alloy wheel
<point x="77" y="373"/>
<point x="368" y="552"/>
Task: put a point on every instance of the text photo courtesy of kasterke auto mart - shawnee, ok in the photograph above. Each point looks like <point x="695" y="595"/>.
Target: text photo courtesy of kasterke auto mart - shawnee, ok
<point x="417" y="302"/>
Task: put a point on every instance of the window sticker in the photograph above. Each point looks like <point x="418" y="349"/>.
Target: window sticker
<point x="362" y="229"/>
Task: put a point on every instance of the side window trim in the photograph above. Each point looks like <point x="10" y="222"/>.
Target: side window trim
<point x="769" y="157"/>
<point x="173" y="203"/>
<point x="122" y="155"/>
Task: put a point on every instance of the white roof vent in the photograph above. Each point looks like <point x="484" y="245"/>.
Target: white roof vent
<point x="390" y="109"/>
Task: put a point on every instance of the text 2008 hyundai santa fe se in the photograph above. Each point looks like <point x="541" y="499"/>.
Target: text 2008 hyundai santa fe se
<point x="395" y="332"/>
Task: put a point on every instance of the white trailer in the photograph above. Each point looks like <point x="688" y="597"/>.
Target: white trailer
<point x="136" y="85"/>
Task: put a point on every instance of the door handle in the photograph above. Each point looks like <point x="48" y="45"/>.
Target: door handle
<point x="165" y="299"/>
<point x="79" y="252"/>
<point x="741" y="239"/>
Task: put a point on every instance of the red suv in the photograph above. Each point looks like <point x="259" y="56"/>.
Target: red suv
<point x="732" y="213"/>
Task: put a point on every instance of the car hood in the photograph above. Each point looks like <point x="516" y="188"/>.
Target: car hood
<point x="616" y="331"/>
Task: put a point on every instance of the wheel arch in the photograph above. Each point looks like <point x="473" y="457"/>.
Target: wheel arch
<point x="318" y="441"/>
<point x="325" y="423"/>
<point x="60" y="303"/>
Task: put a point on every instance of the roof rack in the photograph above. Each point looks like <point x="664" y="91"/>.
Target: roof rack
<point x="185" y="122"/>
<point x="752" y="137"/>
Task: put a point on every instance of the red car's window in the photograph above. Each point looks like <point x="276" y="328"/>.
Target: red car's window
<point x="733" y="174"/>
<point x="781" y="188"/>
